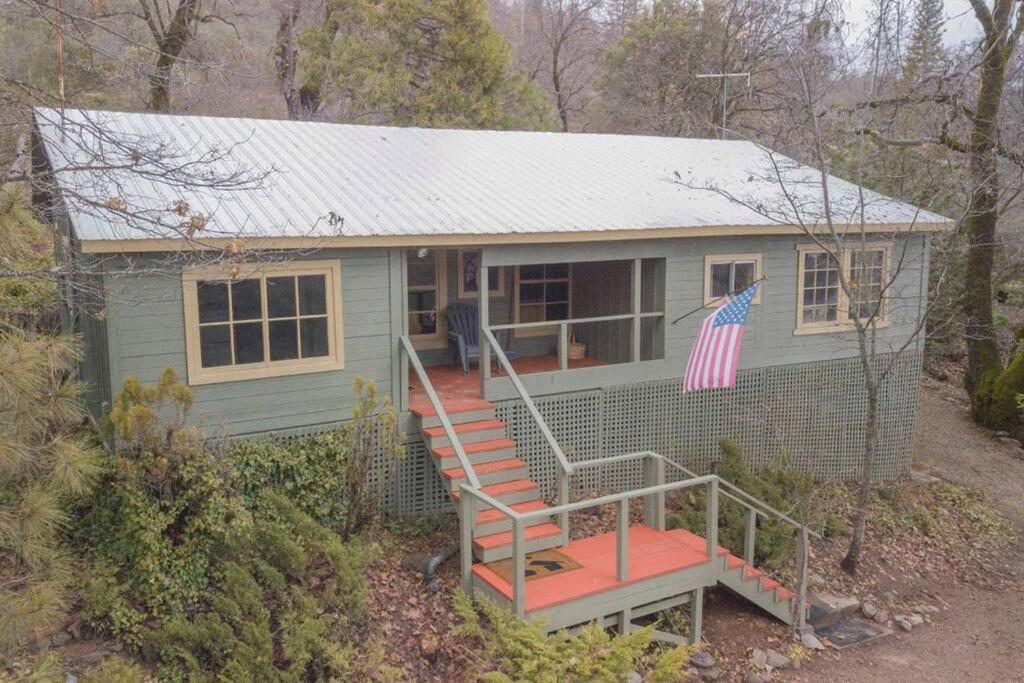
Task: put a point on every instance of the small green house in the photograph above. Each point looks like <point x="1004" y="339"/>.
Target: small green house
<point x="273" y="262"/>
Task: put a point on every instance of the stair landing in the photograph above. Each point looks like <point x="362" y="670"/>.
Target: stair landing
<point x="652" y="554"/>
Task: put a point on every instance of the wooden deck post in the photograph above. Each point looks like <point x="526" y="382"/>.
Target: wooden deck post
<point x="518" y="568"/>
<point x="802" y="546"/>
<point x="712" y="528"/>
<point x="625" y="621"/>
<point x="563" y="347"/>
<point x="637" y="277"/>
<point x="654" y="504"/>
<point x="482" y="284"/>
<point x="563" y="498"/>
<point x="696" y="615"/>
<point x="622" y="540"/>
<point x="467" y="510"/>
<point x="749" y="536"/>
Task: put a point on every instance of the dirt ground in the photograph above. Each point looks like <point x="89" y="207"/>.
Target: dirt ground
<point x="980" y="636"/>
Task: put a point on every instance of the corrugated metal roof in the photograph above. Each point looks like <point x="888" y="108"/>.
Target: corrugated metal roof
<point x="388" y="181"/>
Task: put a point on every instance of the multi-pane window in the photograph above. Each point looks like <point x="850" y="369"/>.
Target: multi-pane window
<point x="274" y="319"/>
<point x="468" y="271"/>
<point x="823" y="304"/>
<point x="544" y="292"/>
<point x="425" y="276"/>
<point x="724" y="275"/>
<point x="820" y="288"/>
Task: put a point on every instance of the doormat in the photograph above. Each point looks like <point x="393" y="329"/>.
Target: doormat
<point x="538" y="564"/>
<point x="851" y="631"/>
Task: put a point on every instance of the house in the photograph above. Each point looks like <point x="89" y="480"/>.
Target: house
<point x="273" y="262"/>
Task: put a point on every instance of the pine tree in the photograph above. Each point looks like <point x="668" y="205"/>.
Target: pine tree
<point x="422" y="62"/>
<point x="925" y="54"/>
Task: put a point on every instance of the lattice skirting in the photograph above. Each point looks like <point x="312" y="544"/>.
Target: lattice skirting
<point x="812" y="414"/>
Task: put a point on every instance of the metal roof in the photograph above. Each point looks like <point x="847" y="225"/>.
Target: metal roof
<point x="390" y="181"/>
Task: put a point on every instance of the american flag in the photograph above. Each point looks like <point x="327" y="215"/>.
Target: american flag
<point x="716" y="353"/>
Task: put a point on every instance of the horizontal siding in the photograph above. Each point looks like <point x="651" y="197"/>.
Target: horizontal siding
<point x="146" y="326"/>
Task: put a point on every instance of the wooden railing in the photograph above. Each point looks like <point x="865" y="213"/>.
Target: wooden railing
<point x="564" y="469"/>
<point x="442" y="416"/>
<point x="563" y="331"/>
<point x="473" y="496"/>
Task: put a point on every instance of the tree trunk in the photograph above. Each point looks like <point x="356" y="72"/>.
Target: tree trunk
<point x="556" y="83"/>
<point x="285" y="57"/>
<point x="982" y="352"/>
<point x="170" y="43"/>
<point x="852" y="559"/>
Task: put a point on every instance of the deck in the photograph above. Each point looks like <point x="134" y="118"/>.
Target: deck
<point x="451" y="384"/>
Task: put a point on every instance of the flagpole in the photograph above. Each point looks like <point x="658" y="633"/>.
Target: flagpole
<point x="724" y="296"/>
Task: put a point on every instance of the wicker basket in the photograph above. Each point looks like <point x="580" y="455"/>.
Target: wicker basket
<point x="577" y="350"/>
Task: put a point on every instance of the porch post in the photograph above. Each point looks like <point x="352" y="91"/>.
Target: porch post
<point x="482" y="289"/>
<point x="637" y="276"/>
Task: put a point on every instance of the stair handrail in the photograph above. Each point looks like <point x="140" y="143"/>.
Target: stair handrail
<point x="752" y="504"/>
<point x="442" y="416"/>
<point x="565" y="469"/>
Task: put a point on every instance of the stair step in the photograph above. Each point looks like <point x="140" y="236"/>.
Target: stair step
<point x="509" y="492"/>
<point x="467" y="432"/>
<point x="491" y="521"/>
<point x="458" y="410"/>
<point x="480" y="452"/>
<point x="499" y="546"/>
<point x="493" y="472"/>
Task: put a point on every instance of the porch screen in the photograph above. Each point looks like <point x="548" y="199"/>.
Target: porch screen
<point x="544" y="292"/>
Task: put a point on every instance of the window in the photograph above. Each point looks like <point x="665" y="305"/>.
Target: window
<point x="469" y="266"/>
<point x="427" y="282"/>
<point x="262" y="321"/>
<point x="726" y="274"/>
<point x="824" y="307"/>
<point x="543" y="292"/>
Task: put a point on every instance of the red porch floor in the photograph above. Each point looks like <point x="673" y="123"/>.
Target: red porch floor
<point x="452" y="385"/>
<point x="651" y="553"/>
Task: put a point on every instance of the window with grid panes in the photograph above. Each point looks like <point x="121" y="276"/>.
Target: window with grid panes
<point x="544" y="293"/>
<point x="426" y="282"/>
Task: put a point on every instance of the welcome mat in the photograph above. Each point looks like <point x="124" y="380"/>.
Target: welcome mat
<point x="538" y="564"/>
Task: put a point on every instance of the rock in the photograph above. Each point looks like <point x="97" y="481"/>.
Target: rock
<point x="810" y="641"/>
<point x="753" y="677"/>
<point x="635" y="677"/>
<point x="869" y="610"/>
<point x="60" y="638"/>
<point x="1002" y="434"/>
<point x="712" y="674"/>
<point x="816" y="580"/>
<point x="890" y="596"/>
<point x="904" y="624"/>
<point x="428" y="648"/>
<point x="777" y="660"/>
<point x="882" y="617"/>
<point x="702" y="660"/>
<point x="916" y="620"/>
<point x="694" y="673"/>
<point x="759" y="658"/>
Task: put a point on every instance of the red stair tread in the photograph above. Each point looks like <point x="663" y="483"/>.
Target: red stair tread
<point x="505" y="537"/>
<point x="479" y="447"/>
<point x="493" y="515"/>
<point x="750" y="573"/>
<point x="786" y="594"/>
<point x="465" y="428"/>
<point x="495" y="490"/>
<point x="459" y="405"/>
<point x="768" y="584"/>
<point x="485" y="468"/>
<point x="732" y="562"/>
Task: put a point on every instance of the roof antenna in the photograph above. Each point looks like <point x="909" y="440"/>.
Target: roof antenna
<point x="725" y="91"/>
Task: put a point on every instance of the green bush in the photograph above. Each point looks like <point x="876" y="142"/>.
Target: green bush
<point x="337" y="477"/>
<point x="284" y="607"/>
<point x="521" y="651"/>
<point x="307" y="470"/>
<point x="778" y="485"/>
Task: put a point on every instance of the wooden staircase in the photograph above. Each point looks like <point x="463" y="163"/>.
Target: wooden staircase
<point x="502" y="475"/>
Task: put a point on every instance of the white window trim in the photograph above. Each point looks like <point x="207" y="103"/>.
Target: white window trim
<point x="438" y="340"/>
<point x="842" y="304"/>
<point x="710" y="259"/>
<point x="545" y="331"/>
<point x="335" y="358"/>
<point x="463" y="293"/>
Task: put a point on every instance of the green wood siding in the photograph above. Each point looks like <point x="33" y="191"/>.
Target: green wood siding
<point x="146" y="327"/>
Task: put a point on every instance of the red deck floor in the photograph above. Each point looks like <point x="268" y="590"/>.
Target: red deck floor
<point x="651" y="553"/>
<point x="451" y="384"/>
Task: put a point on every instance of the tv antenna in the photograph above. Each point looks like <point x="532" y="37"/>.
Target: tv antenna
<point x="725" y="91"/>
